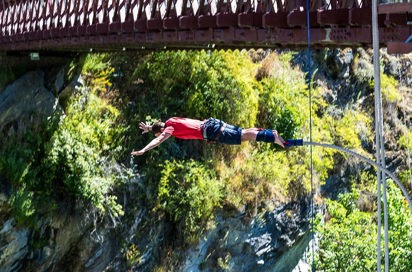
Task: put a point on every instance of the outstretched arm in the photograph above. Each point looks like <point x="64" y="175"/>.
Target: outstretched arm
<point x="154" y="143"/>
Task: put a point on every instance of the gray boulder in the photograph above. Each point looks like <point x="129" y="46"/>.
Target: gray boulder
<point x="273" y="241"/>
<point x="13" y="246"/>
<point x="24" y="104"/>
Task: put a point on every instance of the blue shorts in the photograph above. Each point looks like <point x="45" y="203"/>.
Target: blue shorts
<point x="230" y="135"/>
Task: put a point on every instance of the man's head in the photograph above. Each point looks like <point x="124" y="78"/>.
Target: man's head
<point x="157" y="127"/>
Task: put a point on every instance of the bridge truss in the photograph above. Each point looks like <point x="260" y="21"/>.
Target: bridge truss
<point x="161" y="24"/>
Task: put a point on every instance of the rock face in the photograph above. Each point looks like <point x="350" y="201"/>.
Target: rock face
<point x="273" y="241"/>
<point x="13" y="246"/>
<point x="76" y="239"/>
<point x="25" y="103"/>
<point x="65" y="242"/>
<point x="70" y="240"/>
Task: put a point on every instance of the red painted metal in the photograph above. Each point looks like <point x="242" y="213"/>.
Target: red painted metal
<point x="275" y="20"/>
<point x="79" y="24"/>
<point x="171" y="23"/>
<point x="395" y="8"/>
<point x="188" y="22"/>
<point x="298" y="18"/>
<point x="399" y="47"/>
<point x="250" y="20"/>
<point x="360" y="16"/>
<point x="333" y="17"/>
<point x="207" y="21"/>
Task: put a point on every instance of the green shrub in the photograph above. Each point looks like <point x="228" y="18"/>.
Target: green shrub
<point x="348" y="235"/>
<point x="400" y="230"/>
<point x="95" y="122"/>
<point x="97" y="70"/>
<point x="86" y="138"/>
<point x="281" y="97"/>
<point x="19" y="160"/>
<point x="351" y="129"/>
<point x="280" y="107"/>
<point x="23" y="205"/>
<point x="133" y="255"/>
<point x="405" y="176"/>
<point x="198" y="84"/>
<point x="389" y="88"/>
<point x="189" y="193"/>
<point x="405" y="140"/>
<point x="223" y="87"/>
<point x="259" y="175"/>
<point x="351" y="235"/>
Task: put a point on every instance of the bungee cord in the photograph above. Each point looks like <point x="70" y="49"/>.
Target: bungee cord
<point x="365" y="159"/>
<point x="300" y="142"/>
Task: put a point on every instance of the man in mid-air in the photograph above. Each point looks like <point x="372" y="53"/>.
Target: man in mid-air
<point x="211" y="130"/>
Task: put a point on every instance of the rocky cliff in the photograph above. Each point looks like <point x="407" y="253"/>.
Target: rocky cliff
<point x="77" y="239"/>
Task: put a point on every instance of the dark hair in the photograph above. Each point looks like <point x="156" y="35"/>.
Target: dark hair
<point x="157" y="126"/>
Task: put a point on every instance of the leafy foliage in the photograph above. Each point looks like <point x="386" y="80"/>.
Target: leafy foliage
<point x="389" y="88"/>
<point x="193" y="179"/>
<point x="76" y="154"/>
<point x="23" y="205"/>
<point x="350" y="234"/>
<point x="66" y="157"/>
<point x="278" y="107"/>
<point x="351" y="129"/>
<point x="405" y="140"/>
<point x="400" y="230"/>
<point x="189" y="193"/>
<point x="198" y="84"/>
<point x="133" y="255"/>
<point x="18" y="165"/>
<point x="97" y="71"/>
<point x="223" y="87"/>
<point x="347" y="236"/>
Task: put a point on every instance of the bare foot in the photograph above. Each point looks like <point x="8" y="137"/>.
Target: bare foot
<point x="278" y="140"/>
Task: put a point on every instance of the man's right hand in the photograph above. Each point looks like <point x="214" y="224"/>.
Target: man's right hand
<point x="145" y="127"/>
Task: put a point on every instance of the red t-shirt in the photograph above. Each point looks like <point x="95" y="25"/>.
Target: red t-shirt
<point x="184" y="128"/>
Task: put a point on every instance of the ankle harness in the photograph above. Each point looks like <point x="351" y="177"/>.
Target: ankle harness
<point x="265" y="135"/>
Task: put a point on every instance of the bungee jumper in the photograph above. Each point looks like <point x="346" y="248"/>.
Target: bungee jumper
<point x="211" y="130"/>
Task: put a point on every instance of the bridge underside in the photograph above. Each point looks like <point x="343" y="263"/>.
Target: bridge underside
<point x="328" y="28"/>
<point x="228" y="37"/>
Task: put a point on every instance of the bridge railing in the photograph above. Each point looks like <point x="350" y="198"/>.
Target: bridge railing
<point x="35" y="15"/>
<point x="56" y="23"/>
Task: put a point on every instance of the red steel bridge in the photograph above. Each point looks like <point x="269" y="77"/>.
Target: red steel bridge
<point x="73" y="25"/>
